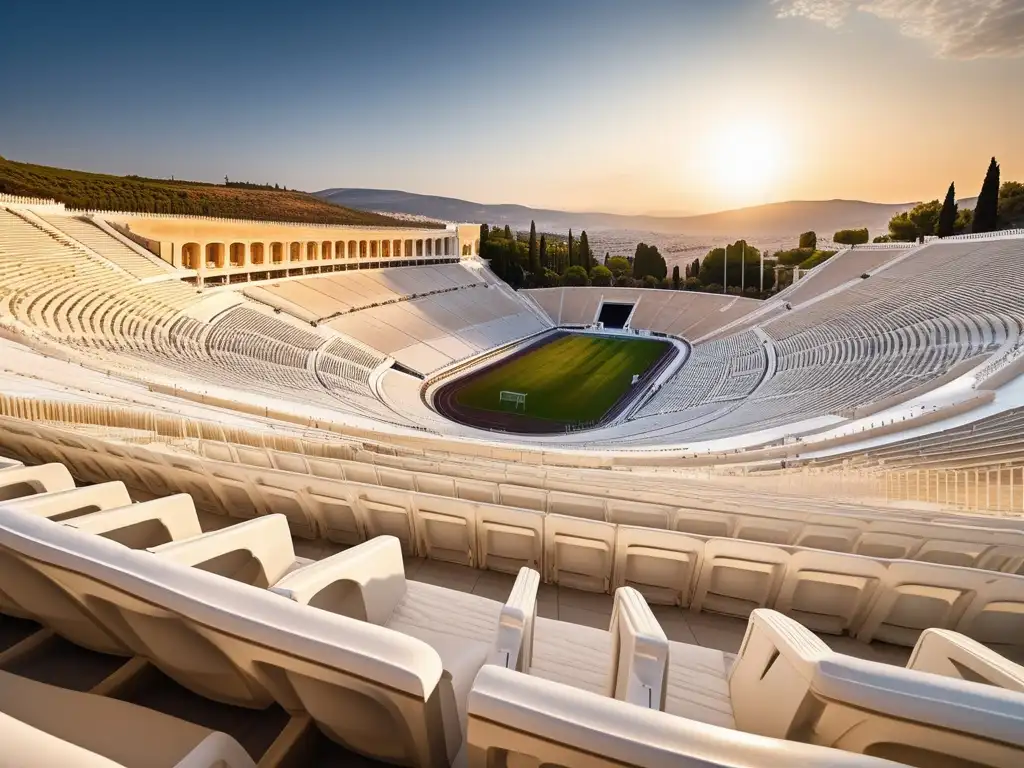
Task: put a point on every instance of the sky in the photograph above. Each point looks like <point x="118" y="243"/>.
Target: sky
<point x="628" y="106"/>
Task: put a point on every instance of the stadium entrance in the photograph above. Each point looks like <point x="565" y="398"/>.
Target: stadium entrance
<point x="615" y="315"/>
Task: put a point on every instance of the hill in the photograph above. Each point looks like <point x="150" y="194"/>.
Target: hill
<point x="81" y="189"/>
<point x="775" y="219"/>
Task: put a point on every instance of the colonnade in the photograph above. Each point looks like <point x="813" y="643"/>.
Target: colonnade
<point x="232" y="255"/>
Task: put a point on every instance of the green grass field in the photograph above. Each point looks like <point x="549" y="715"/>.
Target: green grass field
<point x="573" y="379"/>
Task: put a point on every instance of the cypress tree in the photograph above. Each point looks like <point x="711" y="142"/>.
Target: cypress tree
<point x="543" y="255"/>
<point x="986" y="213"/>
<point x="485" y="231"/>
<point x="947" y="217"/>
<point x="585" y="258"/>
<point x="508" y="232"/>
<point x="535" y="267"/>
<point x="675" y="277"/>
<point x="572" y="263"/>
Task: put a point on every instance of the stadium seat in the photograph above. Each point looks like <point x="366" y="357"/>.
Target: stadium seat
<point x="42" y="726"/>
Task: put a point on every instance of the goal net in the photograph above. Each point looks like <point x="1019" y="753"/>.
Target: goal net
<point x="516" y="399"/>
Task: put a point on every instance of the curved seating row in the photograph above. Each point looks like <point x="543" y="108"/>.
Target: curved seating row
<point x="425" y="676"/>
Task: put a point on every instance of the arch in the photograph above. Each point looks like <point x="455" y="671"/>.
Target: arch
<point x="465" y="250"/>
<point x="215" y="255"/>
<point x="295" y="252"/>
<point x="407" y="251"/>
<point x="353" y="249"/>
<point x="476" y="248"/>
<point x="385" y="249"/>
<point x="236" y="254"/>
<point x="447" y="246"/>
<point x="190" y="253"/>
<point x="277" y="252"/>
<point x="339" y="249"/>
<point x="437" y="247"/>
<point x="326" y="249"/>
<point x="430" y="247"/>
<point x="256" y="253"/>
<point x="396" y="249"/>
<point x="373" y="249"/>
<point x="363" y="249"/>
<point x="419" y="249"/>
<point x="311" y="251"/>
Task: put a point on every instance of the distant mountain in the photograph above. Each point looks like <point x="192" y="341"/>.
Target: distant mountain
<point x="775" y="219"/>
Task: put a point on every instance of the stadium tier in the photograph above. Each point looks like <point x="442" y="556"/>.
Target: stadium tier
<point x="268" y="496"/>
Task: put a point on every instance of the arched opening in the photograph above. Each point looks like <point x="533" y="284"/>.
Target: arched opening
<point x="362" y="249"/>
<point x="465" y="250"/>
<point x="385" y="249"/>
<point x="277" y="252"/>
<point x="326" y="249"/>
<point x="215" y="255"/>
<point x="311" y="249"/>
<point x="407" y="251"/>
<point x="396" y="249"/>
<point x="447" y="246"/>
<point x="353" y="249"/>
<point x="256" y="254"/>
<point x="237" y="254"/>
<point x="430" y="248"/>
<point x="190" y="255"/>
<point x="437" y="247"/>
<point x="476" y="248"/>
<point x="373" y="249"/>
<point x="419" y="249"/>
<point x="295" y="252"/>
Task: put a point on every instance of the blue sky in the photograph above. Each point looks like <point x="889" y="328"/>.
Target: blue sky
<point x="638" y="105"/>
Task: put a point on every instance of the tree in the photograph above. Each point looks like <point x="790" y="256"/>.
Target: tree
<point x="741" y="258"/>
<point x="572" y="261"/>
<point x="485" y="232"/>
<point x="964" y="220"/>
<point x="851" y="236"/>
<point x="925" y="216"/>
<point x="809" y="240"/>
<point x="902" y="229"/>
<point x="650" y="281"/>
<point x="600" y="275"/>
<point x="1010" y="189"/>
<point x="948" y="214"/>
<point x="508" y="232"/>
<point x="619" y="265"/>
<point x="586" y="258"/>
<point x="648" y="261"/>
<point x="543" y="254"/>
<point x="883" y="239"/>
<point x="625" y="281"/>
<point x="533" y="252"/>
<point x="575" y="276"/>
<point x="986" y="212"/>
<point x="675" y="277"/>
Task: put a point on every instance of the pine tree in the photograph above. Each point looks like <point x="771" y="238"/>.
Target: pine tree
<point x="947" y="217"/>
<point x="535" y="267"/>
<point x="675" y="277"/>
<point x="572" y="263"/>
<point x="986" y="212"/>
<point x="543" y="255"/>
<point x="585" y="259"/>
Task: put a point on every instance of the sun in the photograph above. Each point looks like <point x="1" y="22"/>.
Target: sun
<point x="744" y="159"/>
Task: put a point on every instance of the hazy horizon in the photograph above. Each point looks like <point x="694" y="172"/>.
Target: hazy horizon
<point x="666" y="106"/>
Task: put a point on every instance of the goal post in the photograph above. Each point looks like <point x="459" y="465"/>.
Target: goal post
<point x="518" y="399"/>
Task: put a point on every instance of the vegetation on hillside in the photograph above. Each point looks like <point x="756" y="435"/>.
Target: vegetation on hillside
<point x="999" y="206"/>
<point x="235" y="200"/>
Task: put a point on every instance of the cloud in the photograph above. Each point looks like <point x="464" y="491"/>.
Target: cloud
<point x="958" y="29"/>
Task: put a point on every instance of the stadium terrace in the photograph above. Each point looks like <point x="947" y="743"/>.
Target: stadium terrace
<point x="281" y="494"/>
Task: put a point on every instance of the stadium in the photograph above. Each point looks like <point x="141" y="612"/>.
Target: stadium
<point x="342" y="492"/>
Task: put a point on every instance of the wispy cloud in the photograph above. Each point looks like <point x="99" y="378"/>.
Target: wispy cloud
<point x="959" y="29"/>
